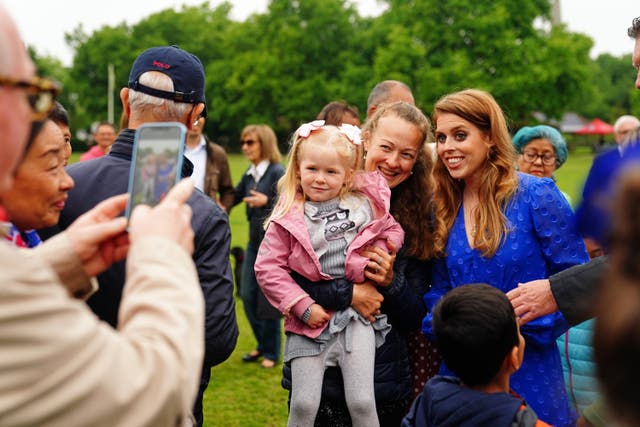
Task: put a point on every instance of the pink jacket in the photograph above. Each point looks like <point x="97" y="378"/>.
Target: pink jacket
<point x="287" y="247"/>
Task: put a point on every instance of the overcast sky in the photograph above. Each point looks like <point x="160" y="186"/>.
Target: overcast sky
<point x="43" y="23"/>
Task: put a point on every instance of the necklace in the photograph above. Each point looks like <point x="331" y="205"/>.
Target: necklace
<point x="470" y="207"/>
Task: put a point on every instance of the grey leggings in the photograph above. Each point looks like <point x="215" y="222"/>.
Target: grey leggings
<point x="357" y="369"/>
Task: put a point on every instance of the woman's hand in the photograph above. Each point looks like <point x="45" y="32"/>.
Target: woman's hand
<point x="256" y="199"/>
<point x="366" y="300"/>
<point x="380" y="266"/>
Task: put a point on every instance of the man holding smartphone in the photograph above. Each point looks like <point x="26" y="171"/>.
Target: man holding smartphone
<point x="166" y="84"/>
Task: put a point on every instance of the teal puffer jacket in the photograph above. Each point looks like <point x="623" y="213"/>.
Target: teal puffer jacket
<point x="579" y="368"/>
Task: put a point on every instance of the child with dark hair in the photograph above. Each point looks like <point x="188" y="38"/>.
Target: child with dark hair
<point x="479" y="339"/>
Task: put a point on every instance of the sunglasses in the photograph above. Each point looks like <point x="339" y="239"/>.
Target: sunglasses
<point x="248" y="142"/>
<point x="41" y="94"/>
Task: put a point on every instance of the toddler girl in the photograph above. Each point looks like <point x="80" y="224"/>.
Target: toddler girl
<point x="325" y="215"/>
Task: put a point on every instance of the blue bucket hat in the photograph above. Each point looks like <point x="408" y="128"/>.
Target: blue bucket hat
<point x="528" y="133"/>
<point x="184" y="69"/>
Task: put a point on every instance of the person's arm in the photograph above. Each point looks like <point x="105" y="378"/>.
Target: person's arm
<point x="97" y="240"/>
<point x="574" y="289"/>
<point x="82" y="369"/>
<point x="555" y="227"/>
<point x="333" y="294"/>
<point x="225" y="186"/>
<point x="401" y="300"/>
<point x="571" y="291"/>
<point x="265" y="194"/>
<point x="212" y="256"/>
<point x="561" y="246"/>
<point x="338" y="294"/>
<point x="66" y="265"/>
<point x="240" y="190"/>
<point x="273" y="273"/>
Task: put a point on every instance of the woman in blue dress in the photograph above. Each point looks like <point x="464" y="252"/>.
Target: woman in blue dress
<point x="501" y="227"/>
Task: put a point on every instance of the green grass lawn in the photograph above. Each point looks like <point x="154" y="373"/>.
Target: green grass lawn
<point x="243" y="394"/>
<point x="571" y="176"/>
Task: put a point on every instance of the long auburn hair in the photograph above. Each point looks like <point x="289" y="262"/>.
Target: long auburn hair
<point x="412" y="200"/>
<point x="499" y="180"/>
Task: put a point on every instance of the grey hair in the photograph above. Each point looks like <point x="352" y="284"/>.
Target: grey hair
<point x="632" y="138"/>
<point x="160" y="107"/>
<point x="380" y="92"/>
<point x="626" y="118"/>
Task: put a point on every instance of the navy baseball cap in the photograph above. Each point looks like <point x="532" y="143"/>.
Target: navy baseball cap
<point x="184" y="69"/>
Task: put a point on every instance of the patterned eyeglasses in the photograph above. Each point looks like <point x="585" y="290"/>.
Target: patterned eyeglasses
<point x="41" y="94"/>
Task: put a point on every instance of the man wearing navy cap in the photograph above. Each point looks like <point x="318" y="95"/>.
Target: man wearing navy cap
<point x="166" y="84"/>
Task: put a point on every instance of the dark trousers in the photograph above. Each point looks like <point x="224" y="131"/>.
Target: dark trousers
<point x="197" y="406"/>
<point x="266" y="330"/>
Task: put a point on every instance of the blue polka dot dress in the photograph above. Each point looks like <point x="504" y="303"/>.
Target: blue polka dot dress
<point x="542" y="240"/>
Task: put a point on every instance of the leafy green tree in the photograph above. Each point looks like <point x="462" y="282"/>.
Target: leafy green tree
<point x="282" y="66"/>
<point x="52" y="68"/>
<point x="88" y="88"/>
<point x="286" y="65"/>
<point x="497" y="46"/>
<point x="612" y="79"/>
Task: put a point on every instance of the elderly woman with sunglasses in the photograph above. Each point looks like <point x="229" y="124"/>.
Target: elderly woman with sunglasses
<point x="257" y="189"/>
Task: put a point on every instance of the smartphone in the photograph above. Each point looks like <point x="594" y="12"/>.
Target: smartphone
<point x="156" y="163"/>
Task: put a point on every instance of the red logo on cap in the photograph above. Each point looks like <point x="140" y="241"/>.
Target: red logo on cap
<point x="161" y="65"/>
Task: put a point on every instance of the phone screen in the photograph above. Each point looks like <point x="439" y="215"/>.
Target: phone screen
<point x="156" y="163"/>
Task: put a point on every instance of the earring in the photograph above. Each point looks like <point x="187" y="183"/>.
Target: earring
<point x="364" y="156"/>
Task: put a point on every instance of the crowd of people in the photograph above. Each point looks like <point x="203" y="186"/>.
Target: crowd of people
<point x="424" y="266"/>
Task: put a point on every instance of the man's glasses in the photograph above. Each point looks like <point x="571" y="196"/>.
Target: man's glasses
<point x="248" y="142"/>
<point x="41" y="94"/>
<point x="548" y="159"/>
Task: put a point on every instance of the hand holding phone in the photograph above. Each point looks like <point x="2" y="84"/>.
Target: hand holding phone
<point x="156" y="163"/>
<point x="171" y="219"/>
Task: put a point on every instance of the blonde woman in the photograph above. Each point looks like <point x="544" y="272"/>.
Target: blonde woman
<point x="257" y="189"/>
<point x="394" y="140"/>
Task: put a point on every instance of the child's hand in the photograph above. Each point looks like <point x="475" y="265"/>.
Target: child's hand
<point x="318" y="317"/>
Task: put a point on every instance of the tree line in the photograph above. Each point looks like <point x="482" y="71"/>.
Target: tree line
<point x="282" y="66"/>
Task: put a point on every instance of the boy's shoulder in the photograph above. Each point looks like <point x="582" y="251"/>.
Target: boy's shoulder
<point x="445" y="401"/>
